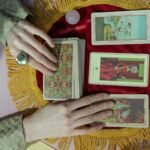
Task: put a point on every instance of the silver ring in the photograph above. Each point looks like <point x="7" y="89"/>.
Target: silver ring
<point x="22" y="58"/>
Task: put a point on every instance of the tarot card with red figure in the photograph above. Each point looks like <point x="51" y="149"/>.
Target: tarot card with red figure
<point x="119" y="69"/>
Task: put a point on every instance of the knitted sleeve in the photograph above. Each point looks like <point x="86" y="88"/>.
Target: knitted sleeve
<point x="11" y="11"/>
<point x="11" y="134"/>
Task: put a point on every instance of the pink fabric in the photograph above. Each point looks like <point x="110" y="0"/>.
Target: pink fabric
<point x="6" y="105"/>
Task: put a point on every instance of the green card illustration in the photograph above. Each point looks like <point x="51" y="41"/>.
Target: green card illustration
<point x="121" y="28"/>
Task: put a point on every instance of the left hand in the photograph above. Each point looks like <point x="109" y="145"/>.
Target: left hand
<point x="22" y="38"/>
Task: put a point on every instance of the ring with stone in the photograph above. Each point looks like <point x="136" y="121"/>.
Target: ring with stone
<point x="22" y="58"/>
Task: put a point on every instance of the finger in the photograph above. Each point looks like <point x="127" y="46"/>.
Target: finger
<point x="27" y="37"/>
<point x="92" y="109"/>
<point x="14" y="51"/>
<point x="92" y="118"/>
<point x="39" y="66"/>
<point x="11" y="38"/>
<point x="36" y="31"/>
<point x="87" y="100"/>
<point x="34" y="54"/>
<point x="87" y="130"/>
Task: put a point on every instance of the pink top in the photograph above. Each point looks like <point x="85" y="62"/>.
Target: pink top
<point x="6" y="105"/>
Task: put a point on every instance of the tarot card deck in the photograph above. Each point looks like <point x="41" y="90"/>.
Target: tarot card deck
<point x="67" y="82"/>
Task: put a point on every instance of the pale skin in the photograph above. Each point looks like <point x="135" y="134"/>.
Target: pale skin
<point x="65" y="119"/>
<point x="22" y="38"/>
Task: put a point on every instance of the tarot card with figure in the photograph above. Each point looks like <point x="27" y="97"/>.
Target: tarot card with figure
<point x="123" y="27"/>
<point x="129" y="111"/>
<point x="119" y="69"/>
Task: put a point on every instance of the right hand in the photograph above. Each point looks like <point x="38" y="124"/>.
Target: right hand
<point x="63" y="119"/>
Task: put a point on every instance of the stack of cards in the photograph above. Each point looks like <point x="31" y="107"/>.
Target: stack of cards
<point x="67" y="82"/>
<point x="129" y="111"/>
<point x="126" y="27"/>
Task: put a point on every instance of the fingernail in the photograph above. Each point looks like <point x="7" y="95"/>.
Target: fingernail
<point x="50" y="73"/>
<point x="53" y="45"/>
<point x="105" y="95"/>
<point x="112" y="104"/>
<point x="100" y="126"/>
<point x="54" y="68"/>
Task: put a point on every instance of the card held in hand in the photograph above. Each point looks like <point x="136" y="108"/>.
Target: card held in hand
<point x="129" y="111"/>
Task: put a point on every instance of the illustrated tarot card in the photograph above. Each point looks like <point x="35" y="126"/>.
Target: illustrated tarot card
<point x="122" y="27"/>
<point x="59" y="86"/>
<point x="129" y="111"/>
<point x="119" y="69"/>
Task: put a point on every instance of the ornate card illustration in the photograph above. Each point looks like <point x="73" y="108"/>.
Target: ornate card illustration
<point x="59" y="86"/>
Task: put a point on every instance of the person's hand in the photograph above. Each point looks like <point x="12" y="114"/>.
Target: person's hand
<point x="68" y="118"/>
<point x="21" y="38"/>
